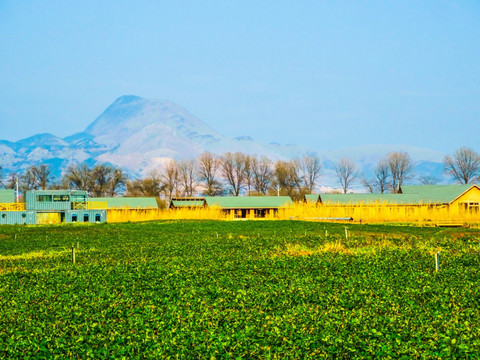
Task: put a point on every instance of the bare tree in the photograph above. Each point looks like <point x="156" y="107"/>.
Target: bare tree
<point x="187" y="177"/>
<point x="170" y="178"/>
<point x="401" y="169"/>
<point x="44" y="176"/>
<point x="233" y="171"/>
<point x="78" y="177"/>
<point x="346" y="172"/>
<point x="286" y="178"/>
<point x="464" y="166"/>
<point x="310" y="172"/>
<point x="37" y="177"/>
<point x="208" y="167"/>
<point x="381" y="176"/>
<point x="11" y="180"/>
<point x="151" y="186"/>
<point x="262" y="174"/>
<point x="117" y="183"/>
<point x="107" y="180"/>
<point x="248" y="172"/>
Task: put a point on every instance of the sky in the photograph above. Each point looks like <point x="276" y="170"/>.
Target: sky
<point x="322" y="74"/>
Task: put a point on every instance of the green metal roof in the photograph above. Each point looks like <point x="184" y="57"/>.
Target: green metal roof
<point x="128" y="202"/>
<point x="248" y="202"/>
<point x="187" y="203"/>
<point x="7" y="196"/>
<point x="444" y="194"/>
<point x="312" y="198"/>
<point x="369" y="198"/>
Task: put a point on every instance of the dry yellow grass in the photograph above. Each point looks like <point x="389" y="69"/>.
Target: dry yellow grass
<point x="303" y="250"/>
<point x="33" y="255"/>
<point x="124" y="215"/>
<point x="381" y="212"/>
<point x="371" y="213"/>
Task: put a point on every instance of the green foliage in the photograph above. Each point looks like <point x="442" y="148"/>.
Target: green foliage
<point x="203" y="289"/>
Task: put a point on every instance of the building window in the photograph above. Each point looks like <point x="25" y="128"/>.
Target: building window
<point x="98" y="218"/>
<point x="44" y="198"/>
<point x="471" y="207"/>
<point x="4" y="216"/>
<point x="85" y="218"/>
<point x="74" y="218"/>
<point x="62" y="198"/>
<point x="260" y="213"/>
<point x="24" y="215"/>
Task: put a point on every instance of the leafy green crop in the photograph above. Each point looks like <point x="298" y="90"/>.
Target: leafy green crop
<point x="256" y="289"/>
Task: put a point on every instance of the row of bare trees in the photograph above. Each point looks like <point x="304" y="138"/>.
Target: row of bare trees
<point x="397" y="167"/>
<point x="230" y="173"/>
<point x="100" y="180"/>
<point x="238" y="173"/>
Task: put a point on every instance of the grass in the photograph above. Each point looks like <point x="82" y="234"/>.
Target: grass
<point x="224" y="289"/>
<point x="371" y="213"/>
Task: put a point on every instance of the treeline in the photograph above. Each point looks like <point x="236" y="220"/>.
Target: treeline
<point x="230" y="174"/>
<point x="100" y="180"/>
<point x="237" y="174"/>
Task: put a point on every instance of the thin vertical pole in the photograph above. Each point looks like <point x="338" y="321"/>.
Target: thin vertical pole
<point x="437" y="261"/>
<point x="73" y="254"/>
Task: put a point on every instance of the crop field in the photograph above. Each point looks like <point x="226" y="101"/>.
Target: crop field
<point x="238" y="289"/>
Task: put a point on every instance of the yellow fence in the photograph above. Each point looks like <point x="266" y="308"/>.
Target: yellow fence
<point x="12" y="207"/>
<point x="97" y="205"/>
<point x="376" y="213"/>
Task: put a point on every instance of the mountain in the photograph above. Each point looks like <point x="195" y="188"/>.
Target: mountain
<point x="141" y="134"/>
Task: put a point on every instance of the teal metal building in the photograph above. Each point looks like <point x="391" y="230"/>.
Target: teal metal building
<point x="17" y="217"/>
<point x="52" y="206"/>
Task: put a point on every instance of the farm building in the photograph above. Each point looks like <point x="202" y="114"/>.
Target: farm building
<point x="464" y="197"/>
<point x="127" y="202"/>
<point x="52" y="206"/>
<point x="249" y="206"/>
<point x="237" y="206"/>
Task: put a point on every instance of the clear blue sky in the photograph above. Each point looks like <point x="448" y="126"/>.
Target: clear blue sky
<point x="323" y="74"/>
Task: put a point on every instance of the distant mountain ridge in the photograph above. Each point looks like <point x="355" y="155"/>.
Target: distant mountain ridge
<point x="140" y="134"/>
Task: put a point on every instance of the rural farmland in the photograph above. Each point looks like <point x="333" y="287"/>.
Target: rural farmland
<point x="232" y="289"/>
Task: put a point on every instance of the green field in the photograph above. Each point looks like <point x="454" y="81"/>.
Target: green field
<point x="243" y="289"/>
